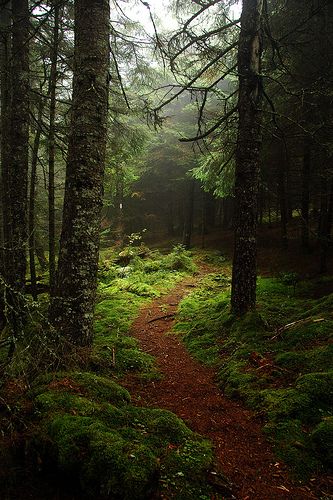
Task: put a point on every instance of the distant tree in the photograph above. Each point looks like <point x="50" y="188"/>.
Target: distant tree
<point x="72" y="303"/>
<point x="51" y="138"/>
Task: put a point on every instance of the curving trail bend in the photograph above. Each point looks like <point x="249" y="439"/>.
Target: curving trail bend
<point x="188" y="389"/>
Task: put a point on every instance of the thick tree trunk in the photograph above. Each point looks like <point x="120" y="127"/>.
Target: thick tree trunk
<point x="326" y="210"/>
<point x="244" y="274"/>
<point x="5" y="19"/>
<point x="261" y="204"/>
<point x="19" y="143"/>
<point x="51" y="142"/>
<point x="72" y="303"/>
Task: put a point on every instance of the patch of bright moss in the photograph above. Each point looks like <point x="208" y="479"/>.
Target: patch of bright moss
<point x="319" y="358"/>
<point x="119" y="452"/>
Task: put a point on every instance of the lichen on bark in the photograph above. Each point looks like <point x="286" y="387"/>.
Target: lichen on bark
<point x="72" y="303"/>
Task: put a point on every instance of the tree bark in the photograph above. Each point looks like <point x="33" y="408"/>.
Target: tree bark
<point x="326" y="210"/>
<point x="188" y="223"/>
<point x="5" y="21"/>
<point x="119" y="202"/>
<point x="244" y="274"/>
<point x="283" y="205"/>
<point x="19" y="144"/>
<point x="306" y="193"/>
<point x="51" y="142"/>
<point x="31" y="210"/>
<point x="72" y="303"/>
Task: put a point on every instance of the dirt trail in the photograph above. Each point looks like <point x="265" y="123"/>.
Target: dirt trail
<point x="188" y="389"/>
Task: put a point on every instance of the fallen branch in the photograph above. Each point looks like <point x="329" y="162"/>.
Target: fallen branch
<point x="170" y="315"/>
<point x="282" y="329"/>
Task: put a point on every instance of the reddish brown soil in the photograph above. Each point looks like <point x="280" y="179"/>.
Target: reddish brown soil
<point x="188" y="389"/>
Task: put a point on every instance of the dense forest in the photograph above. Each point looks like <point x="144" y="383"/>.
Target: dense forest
<point x="166" y="264"/>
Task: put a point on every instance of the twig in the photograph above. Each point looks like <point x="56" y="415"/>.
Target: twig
<point x="282" y="329"/>
<point x="169" y="315"/>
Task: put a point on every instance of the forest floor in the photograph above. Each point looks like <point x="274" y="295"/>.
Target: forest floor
<point x="189" y="390"/>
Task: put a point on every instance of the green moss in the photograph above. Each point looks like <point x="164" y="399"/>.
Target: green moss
<point x="188" y="462"/>
<point x="318" y="386"/>
<point x="102" y="388"/>
<point x="292" y="445"/>
<point x="235" y="381"/>
<point x="120" y="453"/>
<point x="63" y="384"/>
<point x="292" y="386"/>
<point x="322" y="440"/>
<point x="63" y="401"/>
<point x="312" y="359"/>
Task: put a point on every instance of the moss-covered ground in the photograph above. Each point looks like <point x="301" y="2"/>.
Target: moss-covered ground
<point x="279" y="359"/>
<point x="80" y="425"/>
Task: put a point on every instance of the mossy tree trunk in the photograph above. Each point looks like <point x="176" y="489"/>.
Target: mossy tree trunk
<point x="5" y="42"/>
<point x="72" y="303"/>
<point x="244" y="275"/>
<point x="51" y="140"/>
<point x="19" y="145"/>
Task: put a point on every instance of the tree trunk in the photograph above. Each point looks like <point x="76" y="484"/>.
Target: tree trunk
<point x="72" y="303"/>
<point x="40" y="253"/>
<point x="120" y="230"/>
<point x="261" y="204"/>
<point x="31" y="211"/>
<point x="170" y="215"/>
<point x="51" y="142"/>
<point x="188" y="224"/>
<point x="326" y="209"/>
<point x="283" y="205"/>
<point x="306" y="193"/>
<point x="244" y="273"/>
<point x="5" y="18"/>
<point x="19" y="143"/>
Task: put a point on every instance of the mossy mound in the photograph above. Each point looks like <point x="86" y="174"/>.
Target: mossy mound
<point x="122" y="291"/>
<point x="278" y="359"/>
<point x="322" y="440"/>
<point x="86" y="428"/>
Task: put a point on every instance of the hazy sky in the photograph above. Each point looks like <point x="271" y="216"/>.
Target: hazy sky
<point x="162" y="16"/>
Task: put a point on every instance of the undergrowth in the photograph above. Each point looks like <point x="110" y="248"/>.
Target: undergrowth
<point x="123" y="289"/>
<point x="78" y="426"/>
<point x="277" y="359"/>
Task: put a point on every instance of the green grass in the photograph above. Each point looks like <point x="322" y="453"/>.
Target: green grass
<point x="295" y="390"/>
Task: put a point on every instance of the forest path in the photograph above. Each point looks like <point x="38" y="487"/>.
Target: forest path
<point x="188" y="389"/>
